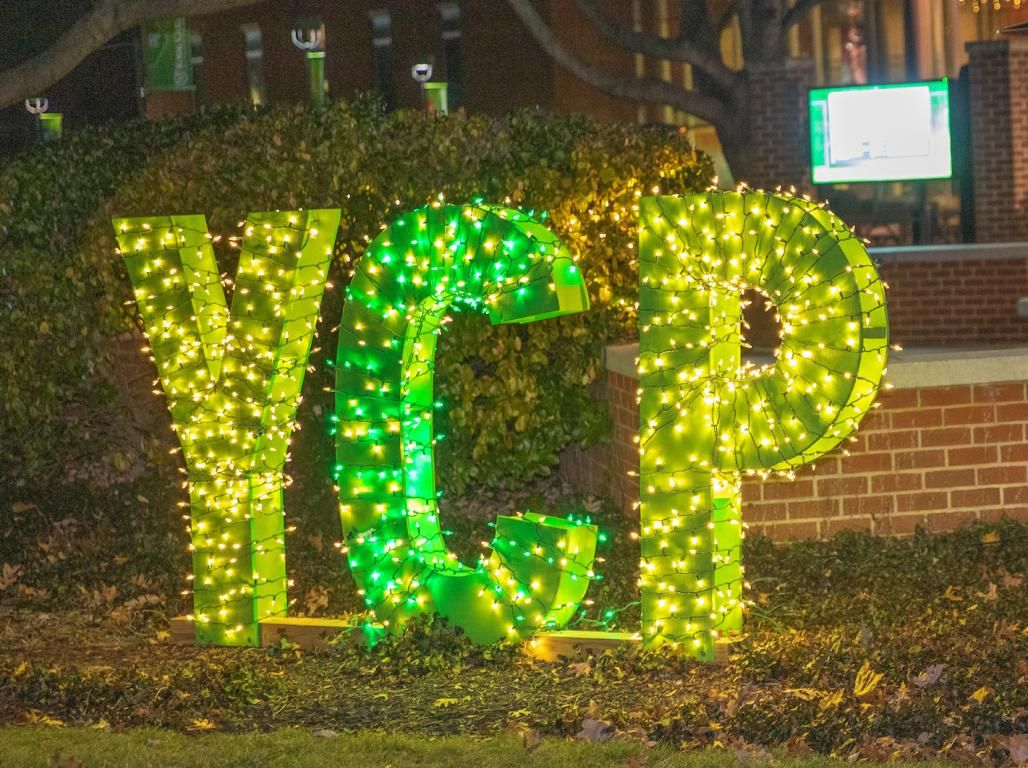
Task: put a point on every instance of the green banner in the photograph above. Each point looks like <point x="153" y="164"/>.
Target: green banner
<point x="169" y="54"/>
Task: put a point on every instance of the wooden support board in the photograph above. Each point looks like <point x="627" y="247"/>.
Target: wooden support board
<point x="309" y="634"/>
<point x="548" y="646"/>
<point x="314" y="634"/>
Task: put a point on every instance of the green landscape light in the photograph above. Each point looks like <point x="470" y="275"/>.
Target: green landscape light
<point x="708" y="416"/>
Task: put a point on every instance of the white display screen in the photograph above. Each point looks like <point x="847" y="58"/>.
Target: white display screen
<point x="881" y="133"/>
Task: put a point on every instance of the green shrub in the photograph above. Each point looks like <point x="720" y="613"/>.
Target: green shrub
<point x="516" y="395"/>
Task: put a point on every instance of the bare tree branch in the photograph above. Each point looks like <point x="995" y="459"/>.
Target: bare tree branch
<point x="795" y="14"/>
<point x="682" y="49"/>
<point x="726" y="18"/>
<point x="644" y="89"/>
<point x="105" y="20"/>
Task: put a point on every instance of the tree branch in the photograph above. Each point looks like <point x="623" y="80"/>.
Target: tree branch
<point x="682" y="49"/>
<point x="795" y="14"/>
<point x="644" y="89"/>
<point x="105" y="20"/>
<point x="726" y="18"/>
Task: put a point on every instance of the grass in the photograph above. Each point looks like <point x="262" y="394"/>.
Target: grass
<point x="145" y="748"/>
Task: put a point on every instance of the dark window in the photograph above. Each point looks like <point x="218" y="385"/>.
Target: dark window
<point x="449" y="13"/>
<point x="196" y="46"/>
<point x="382" y="40"/>
<point x="254" y="63"/>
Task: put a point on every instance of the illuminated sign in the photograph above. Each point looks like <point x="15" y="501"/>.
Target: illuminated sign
<point x="709" y="418"/>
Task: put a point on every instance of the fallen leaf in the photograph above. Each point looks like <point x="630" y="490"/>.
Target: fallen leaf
<point x="866" y="682"/>
<point x="929" y="677"/>
<point x="1012" y="580"/>
<point x="981" y="694"/>
<point x="595" y="731"/>
<point x="992" y="537"/>
<point x="1017" y="746"/>
<point x="581" y="668"/>
<point x="9" y="575"/>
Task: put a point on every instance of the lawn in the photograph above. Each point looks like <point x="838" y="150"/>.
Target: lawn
<point x="857" y="648"/>
<point x="85" y="748"/>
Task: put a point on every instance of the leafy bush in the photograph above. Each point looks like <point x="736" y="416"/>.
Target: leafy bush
<point x="75" y="396"/>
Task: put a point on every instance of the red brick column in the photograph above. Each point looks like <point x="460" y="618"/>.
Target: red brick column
<point x="780" y="145"/>
<point x="998" y="72"/>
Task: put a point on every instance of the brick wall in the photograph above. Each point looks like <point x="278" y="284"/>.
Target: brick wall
<point x="998" y="71"/>
<point x="780" y="148"/>
<point x="936" y="457"/>
<point x="938" y="300"/>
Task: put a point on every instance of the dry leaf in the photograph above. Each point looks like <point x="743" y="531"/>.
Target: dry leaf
<point x="594" y="731"/>
<point x="866" y="682"/>
<point x="929" y="677"/>
<point x="981" y="694"/>
<point x="1017" y="746"/>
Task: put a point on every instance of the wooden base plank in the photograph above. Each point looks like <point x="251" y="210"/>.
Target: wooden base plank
<point x="308" y="634"/>
<point x="315" y="634"/>
<point x="549" y="646"/>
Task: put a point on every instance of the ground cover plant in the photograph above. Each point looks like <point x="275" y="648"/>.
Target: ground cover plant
<point x="857" y="647"/>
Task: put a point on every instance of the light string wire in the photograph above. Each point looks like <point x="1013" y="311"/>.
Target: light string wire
<point x="233" y="378"/>
<point x="429" y="262"/>
<point x="708" y="416"/>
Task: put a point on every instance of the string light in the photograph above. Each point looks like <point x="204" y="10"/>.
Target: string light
<point x="997" y="5"/>
<point x="427" y="263"/>
<point x="708" y="416"/>
<point x="232" y="380"/>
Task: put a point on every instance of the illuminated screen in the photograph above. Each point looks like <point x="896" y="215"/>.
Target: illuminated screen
<point x="881" y="132"/>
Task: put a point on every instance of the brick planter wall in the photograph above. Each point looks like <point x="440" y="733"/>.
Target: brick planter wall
<point x="931" y="456"/>
<point x="956" y="295"/>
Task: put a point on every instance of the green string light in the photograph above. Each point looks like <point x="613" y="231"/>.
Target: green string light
<point x="429" y="262"/>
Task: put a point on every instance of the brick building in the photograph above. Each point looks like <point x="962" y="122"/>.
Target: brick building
<point x="490" y="63"/>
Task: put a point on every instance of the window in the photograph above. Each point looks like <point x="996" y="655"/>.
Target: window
<point x="382" y="40"/>
<point x="254" y="63"/>
<point x="449" y="13"/>
<point x="196" y="48"/>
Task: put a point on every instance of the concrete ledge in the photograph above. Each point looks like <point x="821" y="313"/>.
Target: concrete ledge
<point x="909" y="369"/>
<point x="965" y="252"/>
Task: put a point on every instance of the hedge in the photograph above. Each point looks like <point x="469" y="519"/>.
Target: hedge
<point x="75" y="401"/>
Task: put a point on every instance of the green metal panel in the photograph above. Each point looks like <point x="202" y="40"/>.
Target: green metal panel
<point x="429" y="262"/>
<point x="708" y="417"/>
<point x="232" y="378"/>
